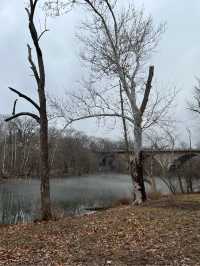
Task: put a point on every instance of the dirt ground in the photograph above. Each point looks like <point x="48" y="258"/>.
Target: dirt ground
<point x="161" y="232"/>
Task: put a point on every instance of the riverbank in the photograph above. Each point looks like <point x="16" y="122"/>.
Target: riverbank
<point x="161" y="232"/>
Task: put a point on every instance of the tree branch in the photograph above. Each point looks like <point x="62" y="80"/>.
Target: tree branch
<point x="147" y="90"/>
<point x="26" y="98"/>
<point x="14" y="107"/>
<point x="114" y="19"/>
<point x="194" y="110"/>
<point x="34" y="116"/>
<point x="42" y="33"/>
<point x="34" y="35"/>
<point x="104" y="23"/>
<point x="72" y="120"/>
<point x="33" y="66"/>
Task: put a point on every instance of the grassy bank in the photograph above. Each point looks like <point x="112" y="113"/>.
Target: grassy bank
<point x="161" y="232"/>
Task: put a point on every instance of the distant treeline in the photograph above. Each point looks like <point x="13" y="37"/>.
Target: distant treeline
<point x="71" y="152"/>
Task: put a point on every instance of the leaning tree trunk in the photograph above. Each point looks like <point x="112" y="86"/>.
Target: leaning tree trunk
<point x="137" y="169"/>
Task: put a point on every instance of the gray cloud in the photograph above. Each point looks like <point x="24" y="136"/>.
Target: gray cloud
<point x="176" y="61"/>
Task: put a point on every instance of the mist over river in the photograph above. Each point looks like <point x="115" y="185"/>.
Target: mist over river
<point x="20" y="199"/>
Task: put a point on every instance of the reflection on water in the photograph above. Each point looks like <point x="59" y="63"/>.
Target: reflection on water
<point x="20" y="199"/>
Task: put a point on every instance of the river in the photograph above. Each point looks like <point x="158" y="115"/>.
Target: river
<point x="20" y="199"/>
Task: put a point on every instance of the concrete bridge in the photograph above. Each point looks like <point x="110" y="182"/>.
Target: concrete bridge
<point x="168" y="159"/>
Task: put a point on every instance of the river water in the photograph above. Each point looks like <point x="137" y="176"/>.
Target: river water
<point x="20" y="199"/>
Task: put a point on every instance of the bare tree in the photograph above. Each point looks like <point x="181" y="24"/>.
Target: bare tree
<point x="195" y="105"/>
<point x="117" y="44"/>
<point x="19" y="148"/>
<point x="39" y="75"/>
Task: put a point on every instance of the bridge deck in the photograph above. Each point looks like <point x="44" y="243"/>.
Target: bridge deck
<point x="157" y="151"/>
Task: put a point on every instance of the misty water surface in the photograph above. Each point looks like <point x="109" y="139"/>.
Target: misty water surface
<point x="20" y="199"/>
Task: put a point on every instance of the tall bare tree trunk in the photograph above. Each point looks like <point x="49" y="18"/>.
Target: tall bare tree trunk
<point x="44" y="160"/>
<point x="137" y="174"/>
<point x="38" y="70"/>
<point x="136" y="170"/>
<point x="40" y="79"/>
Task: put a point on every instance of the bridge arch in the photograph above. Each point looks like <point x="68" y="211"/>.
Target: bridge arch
<point x="167" y="160"/>
<point x="181" y="160"/>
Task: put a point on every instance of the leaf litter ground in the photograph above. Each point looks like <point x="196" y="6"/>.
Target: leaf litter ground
<point x="160" y="232"/>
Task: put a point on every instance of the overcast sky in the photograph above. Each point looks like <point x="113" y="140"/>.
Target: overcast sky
<point x="176" y="61"/>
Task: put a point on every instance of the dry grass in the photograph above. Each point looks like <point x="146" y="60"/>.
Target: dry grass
<point x="161" y="232"/>
<point x="154" y="195"/>
<point x="121" y="202"/>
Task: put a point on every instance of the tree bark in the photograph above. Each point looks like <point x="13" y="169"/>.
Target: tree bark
<point x="128" y="157"/>
<point x="44" y="161"/>
<point x="137" y="173"/>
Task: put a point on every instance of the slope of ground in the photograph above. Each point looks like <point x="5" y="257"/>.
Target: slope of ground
<point x="161" y="232"/>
